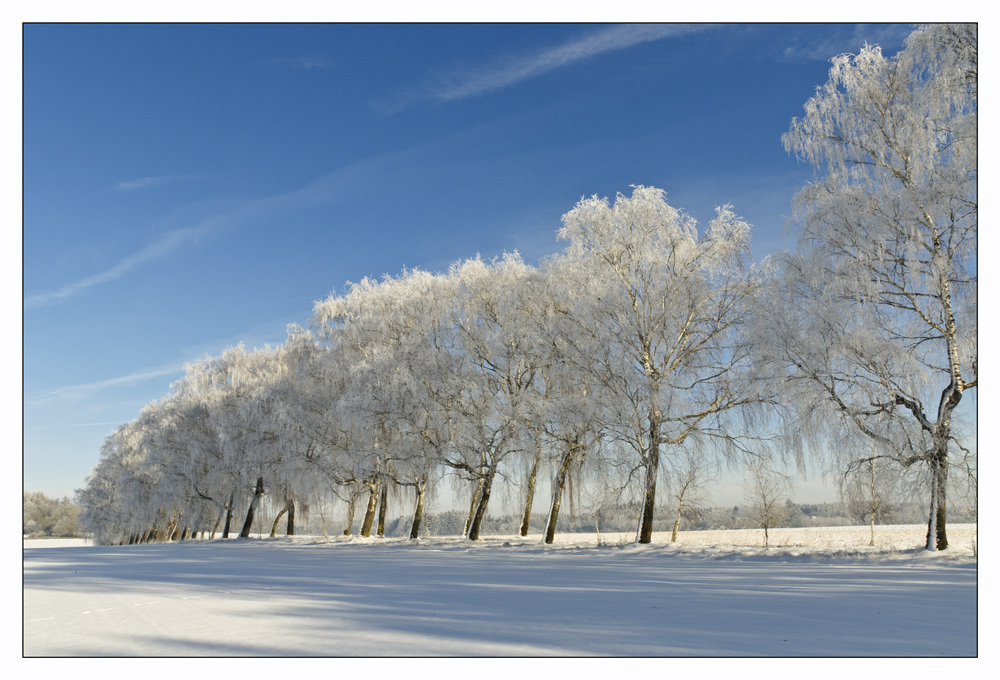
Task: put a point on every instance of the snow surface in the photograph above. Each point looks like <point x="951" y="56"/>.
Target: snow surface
<point x="817" y="592"/>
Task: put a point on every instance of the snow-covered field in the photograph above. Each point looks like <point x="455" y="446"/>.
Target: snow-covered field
<point x="817" y="592"/>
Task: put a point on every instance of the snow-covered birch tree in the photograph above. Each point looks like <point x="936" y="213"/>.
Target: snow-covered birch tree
<point x="877" y="324"/>
<point x="245" y="409"/>
<point x="386" y="331"/>
<point x="416" y="317"/>
<point x="486" y="399"/>
<point x="565" y="412"/>
<point x="667" y="306"/>
<point x="319" y="374"/>
<point x="690" y="473"/>
<point x="765" y="489"/>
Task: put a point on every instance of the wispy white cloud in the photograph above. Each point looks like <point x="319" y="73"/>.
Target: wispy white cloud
<point x="86" y="390"/>
<point x="164" y="245"/>
<point x="314" y="192"/>
<point x="468" y="83"/>
<point x="849" y="40"/>
<point x="147" y="182"/>
<point x="271" y="332"/>
<point x="338" y="184"/>
<point x="510" y="70"/>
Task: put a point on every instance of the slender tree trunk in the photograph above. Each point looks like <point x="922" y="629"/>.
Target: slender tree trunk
<point x="936" y="528"/>
<point x="290" y="527"/>
<point x="383" y="497"/>
<point x="484" y="499"/>
<point x="418" y="513"/>
<point x="557" y="489"/>
<point x="652" y="469"/>
<point x="229" y="514"/>
<point x="677" y="522"/>
<point x="351" y="504"/>
<point x="473" y="505"/>
<point x="871" y="467"/>
<point x="530" y="491"/>
<point x="274" y="525"/>
<point x="937" y="536"/>
<point x="573" y="492"/>
<point x="366" y="526"/>
<point x="257" y="495"/>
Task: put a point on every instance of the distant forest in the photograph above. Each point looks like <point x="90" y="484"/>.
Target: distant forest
<point x="48" y="517"/>
<point x="622" y="519"/>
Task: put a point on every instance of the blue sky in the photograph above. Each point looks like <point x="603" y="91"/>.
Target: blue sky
<point x="187" y="187"/>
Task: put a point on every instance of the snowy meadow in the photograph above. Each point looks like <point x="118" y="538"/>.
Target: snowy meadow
<point x="816" y="592"/>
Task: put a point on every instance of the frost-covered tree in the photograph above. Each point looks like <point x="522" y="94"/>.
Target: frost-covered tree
<point x="766" y="489"/>
<point x="564" y="413"/>
<point x="155" y="505"/>
<point x="384" y="332"/>
<point x="486" y="396"/>
<point x="193" y="438"/>
<point x="690" y="473"/>
<point x="115" y="505"/>
<point x="246" y="409"/>
<point x="875" y="320"/>
<point x="666" y="306"/>
<point x="187" y="451"/>
<point x="357" y="413"/>
<point x="98" y="500"/>
<point x="318" y="377"/>
<point x="417" y="319"/>
<point x="335" y="455"/>
<point x="870" y="489"/>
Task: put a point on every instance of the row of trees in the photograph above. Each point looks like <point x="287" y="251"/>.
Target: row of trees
<point x="643" y="347"/>
<point x="489" y="368"/>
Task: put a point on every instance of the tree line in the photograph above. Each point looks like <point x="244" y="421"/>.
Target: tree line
<point x="646" y="347"/>
<point x="42" y="516"/>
